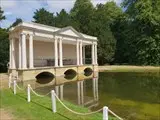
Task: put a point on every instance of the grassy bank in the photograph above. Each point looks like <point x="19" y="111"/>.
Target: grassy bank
<point x="40" y="108"/>
<point x="122" y="68"/>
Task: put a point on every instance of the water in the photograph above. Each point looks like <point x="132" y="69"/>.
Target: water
<point x="133" y="96"/>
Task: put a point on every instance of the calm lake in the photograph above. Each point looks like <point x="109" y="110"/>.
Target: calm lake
<point x="131" y="95"/>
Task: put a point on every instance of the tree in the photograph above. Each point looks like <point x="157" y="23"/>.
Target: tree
<point x="62" y="19"/>
<point x="4" y="50"/>
<point x="81" y="15"/>
<point x="101" y="24"/>
<point x="18" y="20"/>
<point x="44" y="17"/>
<point x="144" y="31"/>
<point x="2" y="17"/>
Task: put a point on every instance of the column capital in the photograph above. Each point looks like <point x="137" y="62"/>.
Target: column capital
<point x="22" y="33"/>
<point x="95" y="43"/>
<point x="58" y="37"/>
<point x="30" y="34"/>
<point x="79" y="40"/>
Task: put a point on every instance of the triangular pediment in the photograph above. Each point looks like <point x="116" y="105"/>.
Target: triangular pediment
<point x="69" y="31"/>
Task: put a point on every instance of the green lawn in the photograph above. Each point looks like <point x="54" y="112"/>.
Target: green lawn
<point x="40" y="108"/>
<point x="123" y="68"/>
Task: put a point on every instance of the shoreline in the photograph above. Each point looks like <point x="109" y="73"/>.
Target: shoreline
<point x="128" y="68"/>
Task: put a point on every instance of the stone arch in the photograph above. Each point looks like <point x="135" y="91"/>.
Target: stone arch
<point x="88" y="71"/>
<point x="44" y="77"/>
<point x="70" y="74"/>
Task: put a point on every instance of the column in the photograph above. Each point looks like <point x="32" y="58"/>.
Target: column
<point x="60" y="53"/>
<point x="13" y="62"/>
<point x="84" y="55"/>
<point x="56" y="52"/>
<point x="93" y="58"/>
<point x="24" y="59"/>
<point x="81" y="57"/>
<point x="77" y="47"/>
<point x="95" y="53"/>
<point x="20" y="52"/>
<point x="10" y="54"/>
<point x="31" y="51"/>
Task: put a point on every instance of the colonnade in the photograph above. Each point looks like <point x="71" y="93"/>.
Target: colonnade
<point x="58" y="49"/>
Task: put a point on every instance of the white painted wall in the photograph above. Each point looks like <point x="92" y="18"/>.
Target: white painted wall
<point x="69" y="51"/>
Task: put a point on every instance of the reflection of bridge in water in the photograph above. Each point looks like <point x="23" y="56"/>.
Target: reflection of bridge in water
<point x="81" y="90"/>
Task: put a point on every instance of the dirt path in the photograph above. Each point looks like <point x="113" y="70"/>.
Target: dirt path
<point x="3" y="80"/>
<point x="5" y="115"/>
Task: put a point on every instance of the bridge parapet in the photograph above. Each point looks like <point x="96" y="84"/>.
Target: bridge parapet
<point x="30" y="74"/>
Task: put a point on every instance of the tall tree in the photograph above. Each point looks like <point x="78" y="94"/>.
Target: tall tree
<point x="62" y="19"/>
<point x="104" y="17"/>
<point x="81" y="15"/>
<point x="4" y="50"/>
<point x="18" y="20"/>
<point x="2" y="17"/>
<point x="44" y="17"/>
<point x="144" y="30"/>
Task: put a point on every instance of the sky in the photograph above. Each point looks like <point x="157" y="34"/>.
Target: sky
<point x="25" y="9"/>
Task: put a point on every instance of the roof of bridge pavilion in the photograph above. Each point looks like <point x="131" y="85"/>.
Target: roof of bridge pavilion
<point x="66" y="31"/>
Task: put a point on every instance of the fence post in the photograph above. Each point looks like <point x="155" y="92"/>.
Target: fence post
<point x="28" y="93"/>
<point x="105" y="113"/>
<point x="14" y="87"/>
<point x="53" y="101"/>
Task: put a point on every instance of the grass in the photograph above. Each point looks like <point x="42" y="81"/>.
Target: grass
<point x="123" y="68"/>
<point x="40" y="108"/>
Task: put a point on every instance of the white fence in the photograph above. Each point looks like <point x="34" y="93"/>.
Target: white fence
<point x="54" y="97"/>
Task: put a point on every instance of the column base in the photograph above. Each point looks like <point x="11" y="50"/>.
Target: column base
<point x="23" y="68"/>
<point x="31" y="68"/>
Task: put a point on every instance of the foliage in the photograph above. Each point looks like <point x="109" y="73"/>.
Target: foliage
<point x="2" y="17"/>
<point x="104" y="17"/>
<point x="4" y="50"/>
<point x="62" y="19"/>
<point x="81" y="14"/>
<point x="144" y="29"/>
<point x="18" y="20"/>
<point x="44" y="17"/>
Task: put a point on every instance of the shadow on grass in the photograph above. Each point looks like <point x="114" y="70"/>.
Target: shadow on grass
<point x="24" y="98"/>
<point x="63" y="116"/>
<point x="34" y="102"/>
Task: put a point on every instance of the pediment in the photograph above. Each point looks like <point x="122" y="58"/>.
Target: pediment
<point x="69" y="31"/>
